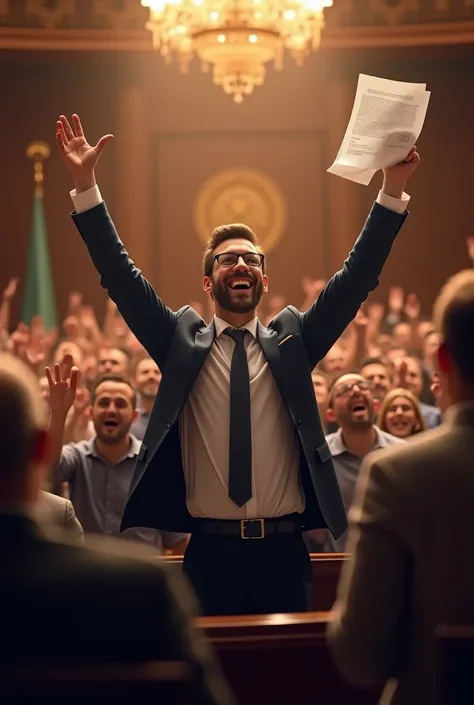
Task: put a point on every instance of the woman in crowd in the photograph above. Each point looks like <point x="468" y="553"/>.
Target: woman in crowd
<point x="400" y="414"/>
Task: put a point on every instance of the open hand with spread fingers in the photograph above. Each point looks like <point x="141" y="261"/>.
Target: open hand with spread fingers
<point x="79" y="156"/>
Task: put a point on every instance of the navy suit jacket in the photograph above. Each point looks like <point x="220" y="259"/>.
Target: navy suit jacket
<point x="293" y="344"/>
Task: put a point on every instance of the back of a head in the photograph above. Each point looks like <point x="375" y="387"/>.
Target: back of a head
<point x="22" y="414"/>
<point x="453" y="315"/>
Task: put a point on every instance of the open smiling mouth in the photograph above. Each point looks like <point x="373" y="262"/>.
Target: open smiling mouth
<point x="240" y="284"/>
<point x="110" y="423"/>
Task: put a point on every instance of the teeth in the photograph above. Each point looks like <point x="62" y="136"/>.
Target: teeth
<point x="240" y="282"/>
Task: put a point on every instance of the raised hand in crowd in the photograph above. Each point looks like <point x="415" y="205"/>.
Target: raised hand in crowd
<point x="63" y="381"/>
<point x="77" y="426"/>
<point x="79" y="156"/>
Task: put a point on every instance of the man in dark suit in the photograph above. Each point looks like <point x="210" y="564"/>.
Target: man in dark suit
<point x="62" y="602"/>
<point x="235" y="452"/>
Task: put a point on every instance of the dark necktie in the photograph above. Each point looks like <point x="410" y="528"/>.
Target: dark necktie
<point x="240" y="445"/>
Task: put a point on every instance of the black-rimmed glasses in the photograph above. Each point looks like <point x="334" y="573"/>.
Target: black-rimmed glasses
<point x="347" y="388"/>
<point x="230" y="259"/>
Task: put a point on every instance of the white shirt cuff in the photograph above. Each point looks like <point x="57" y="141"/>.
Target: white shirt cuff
<point x="86" y="200"/>
<point x="399" y="205"/>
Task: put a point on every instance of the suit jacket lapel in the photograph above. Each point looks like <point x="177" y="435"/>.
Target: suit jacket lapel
<point x="202" y="344"/>
<point x="184" y="361"/>
<point x="268" y="339"/>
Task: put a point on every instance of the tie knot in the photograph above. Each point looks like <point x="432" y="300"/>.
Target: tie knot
<point x="236" y="335"/>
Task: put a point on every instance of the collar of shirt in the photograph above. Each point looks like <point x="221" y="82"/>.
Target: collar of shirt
<point x="220" y="325"/>
<point x="133" y="451"/>
<point x="337" y="447"/>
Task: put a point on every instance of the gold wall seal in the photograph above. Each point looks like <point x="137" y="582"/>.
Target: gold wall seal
<point x="241" y="196"/>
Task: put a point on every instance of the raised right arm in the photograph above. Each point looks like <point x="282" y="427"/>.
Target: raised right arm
<point x="150" y="320"/>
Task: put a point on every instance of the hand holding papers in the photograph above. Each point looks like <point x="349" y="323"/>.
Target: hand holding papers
<point x="386" y="121"/>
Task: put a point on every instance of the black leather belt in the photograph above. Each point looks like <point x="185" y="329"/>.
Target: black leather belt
<point x="249" y="528"/>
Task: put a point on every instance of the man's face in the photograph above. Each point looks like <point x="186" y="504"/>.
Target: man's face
<point x="112" y="360"/>
<point x="236" y="287"/>
<point x="112" y="411"/>
<point x="377" y="375"/>
<point x="402" y="334"/>
<point x="353" y="403"/>
<point x="321" y="389"/>
<point x="413" y="377"/>
<point x="147" y="378"/>
<point x="335" y="361"/>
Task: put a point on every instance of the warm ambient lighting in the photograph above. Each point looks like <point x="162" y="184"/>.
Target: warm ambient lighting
<point x="236" y="37"/>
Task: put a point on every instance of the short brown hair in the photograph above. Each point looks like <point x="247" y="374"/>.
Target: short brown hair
<point x="453" y="315"/>
<point x="232" y="231"/>
<point x="113" y="377"/>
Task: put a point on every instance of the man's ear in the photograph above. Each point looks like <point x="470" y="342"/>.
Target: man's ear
<point x="265" y="284"/>
<point x="207" y="285"/>
<point x="330" y="416"/>
<point x="376" y="405"/>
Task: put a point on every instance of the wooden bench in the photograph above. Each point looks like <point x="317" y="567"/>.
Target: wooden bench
<point x="281" y="659"/>
<point x="326" y="569"/>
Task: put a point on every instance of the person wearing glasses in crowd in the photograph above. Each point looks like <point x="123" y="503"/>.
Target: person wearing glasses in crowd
<point x="354" y="408"/>
<point x="235" y="452"/>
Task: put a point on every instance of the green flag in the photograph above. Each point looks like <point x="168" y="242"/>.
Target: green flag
<point x="39" y="290"/>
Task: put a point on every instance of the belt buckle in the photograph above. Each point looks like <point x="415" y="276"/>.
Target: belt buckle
<point x="243" y="526"/>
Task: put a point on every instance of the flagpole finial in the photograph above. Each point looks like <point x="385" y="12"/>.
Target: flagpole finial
<point x="38" y="152"/>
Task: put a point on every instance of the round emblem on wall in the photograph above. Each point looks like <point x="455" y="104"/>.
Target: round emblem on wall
<point x="241" y="196"/>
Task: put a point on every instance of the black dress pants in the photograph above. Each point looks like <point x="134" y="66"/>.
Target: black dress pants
<point x="234" y="576"/>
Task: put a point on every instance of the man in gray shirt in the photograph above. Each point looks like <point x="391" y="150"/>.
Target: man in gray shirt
<point x="353" y="407"/>
<point x="99" y="471"/>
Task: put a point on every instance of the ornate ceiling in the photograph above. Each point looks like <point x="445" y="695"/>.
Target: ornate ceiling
<point x="119" y="24"/>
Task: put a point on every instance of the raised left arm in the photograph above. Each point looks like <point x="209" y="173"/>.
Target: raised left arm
<point x="324" y="322"/>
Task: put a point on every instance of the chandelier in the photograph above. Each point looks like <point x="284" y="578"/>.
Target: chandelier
<point x="236" y="37"/>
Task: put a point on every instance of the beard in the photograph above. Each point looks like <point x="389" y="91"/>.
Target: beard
<point x="239" y="300"/>
<point x="110" y="439"/>
<point x="347" y="418"/>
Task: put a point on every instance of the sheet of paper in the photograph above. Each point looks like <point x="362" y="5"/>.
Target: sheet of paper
<point x="386" y="121"/>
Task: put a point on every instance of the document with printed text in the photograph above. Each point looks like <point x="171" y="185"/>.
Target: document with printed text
<point x="386" y="121"/>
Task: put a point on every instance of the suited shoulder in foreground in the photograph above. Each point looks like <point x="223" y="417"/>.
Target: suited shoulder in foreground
<point x="60" y="602"/>
<point x="412" y="531"/>
<point x="235" y="449"/>
<point x="56" y="514"/>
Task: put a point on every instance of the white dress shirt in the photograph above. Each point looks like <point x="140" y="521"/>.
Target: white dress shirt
<point x="204" y="423"/>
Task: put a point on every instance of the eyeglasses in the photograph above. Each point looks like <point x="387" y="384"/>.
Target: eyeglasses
<point x="349" y="386"/>
<point x="230" y="259"/>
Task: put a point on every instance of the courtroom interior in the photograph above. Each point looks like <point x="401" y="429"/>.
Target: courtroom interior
<point x="236" y="388"/>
